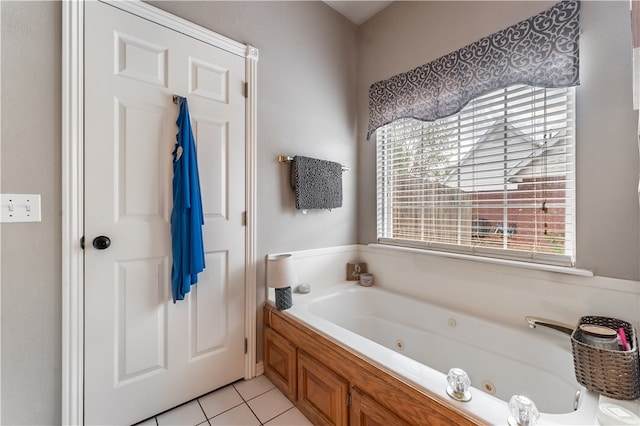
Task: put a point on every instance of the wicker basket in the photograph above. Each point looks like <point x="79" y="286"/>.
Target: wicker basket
<point x="612" y="373"/>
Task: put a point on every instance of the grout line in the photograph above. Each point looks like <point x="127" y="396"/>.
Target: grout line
<point x="277" y="415"/>
<point x="225" y="411"/>
<point x="202" y="409"/>
<point x="254" y="414"/>
<point x="254" y="397"/>
<point x="155" y="419"/>
<point x="244" y="401"/>
<point x="296" y="408"/>
<point x="239" y="394"/>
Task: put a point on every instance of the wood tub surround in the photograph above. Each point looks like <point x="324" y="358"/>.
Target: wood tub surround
<point x="333" y="386"/>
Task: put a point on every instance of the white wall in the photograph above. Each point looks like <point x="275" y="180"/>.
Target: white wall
<point x="408" y="34"/>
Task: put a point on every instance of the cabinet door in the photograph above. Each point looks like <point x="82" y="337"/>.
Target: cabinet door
<point x="322" y="394"/>
<point x="365" y="411"/>
<point x="280" y="362"/>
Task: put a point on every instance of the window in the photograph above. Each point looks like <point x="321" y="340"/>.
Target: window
<point x="495" y="179"/>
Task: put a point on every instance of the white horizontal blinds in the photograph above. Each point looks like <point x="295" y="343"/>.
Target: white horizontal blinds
<point x="495" y="179"/>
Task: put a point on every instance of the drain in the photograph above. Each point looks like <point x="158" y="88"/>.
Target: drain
<point x="488" y="387"/>
<point x="399" y="345"/>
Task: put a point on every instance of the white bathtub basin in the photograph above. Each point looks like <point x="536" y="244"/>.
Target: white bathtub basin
<point x="421" y="342"/>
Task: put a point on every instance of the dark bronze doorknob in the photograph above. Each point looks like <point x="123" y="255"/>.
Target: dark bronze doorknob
<point x="101" y="242"/>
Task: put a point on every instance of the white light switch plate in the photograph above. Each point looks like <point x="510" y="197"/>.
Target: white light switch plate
<point x="20" y="208"/>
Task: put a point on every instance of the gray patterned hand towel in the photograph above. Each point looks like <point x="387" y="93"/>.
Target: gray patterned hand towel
<point x="317" y="183"/>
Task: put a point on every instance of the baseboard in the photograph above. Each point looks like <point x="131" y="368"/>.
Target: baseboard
<point x="259" y="368"/>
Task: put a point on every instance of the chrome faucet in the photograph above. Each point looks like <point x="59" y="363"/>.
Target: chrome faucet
<point x="543" y="322"/>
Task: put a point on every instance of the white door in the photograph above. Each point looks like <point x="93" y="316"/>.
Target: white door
<point x="144" y="354"/>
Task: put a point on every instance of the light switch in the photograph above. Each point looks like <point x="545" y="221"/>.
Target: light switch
<point x="20" y="208"/>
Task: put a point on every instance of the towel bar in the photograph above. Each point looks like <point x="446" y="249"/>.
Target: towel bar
<point x="287" y="159"/>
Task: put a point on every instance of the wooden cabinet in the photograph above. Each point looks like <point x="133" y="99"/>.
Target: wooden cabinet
<point x="365" y="411"/>
<point x="334" y="386"/>
<point x="322" y="394"/>
<point x="280" y="362"/>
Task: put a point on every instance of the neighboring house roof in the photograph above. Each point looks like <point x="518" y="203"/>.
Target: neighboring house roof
<point x="520" y="159"/>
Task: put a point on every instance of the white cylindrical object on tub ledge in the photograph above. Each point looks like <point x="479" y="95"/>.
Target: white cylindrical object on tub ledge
<point x="281" y="275"/>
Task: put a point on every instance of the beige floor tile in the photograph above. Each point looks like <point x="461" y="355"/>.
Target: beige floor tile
<point x="220" y="401"/>
<point x="189" y="414"/>
<point x="148" y="422"/>
<point x="239" y="416"/>
<point x="249" y="389"/>
<point x="269" y="405"/>
<point x="227" y="407"/>
<point x="292" y="417"/>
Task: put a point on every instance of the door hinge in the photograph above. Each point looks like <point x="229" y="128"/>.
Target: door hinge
<point x="82" y="242"/>
<point x="244" y="218"/>
<point x="246" y="345"/>
<point x="348" y="399"/>
<point x="245" y="89"/>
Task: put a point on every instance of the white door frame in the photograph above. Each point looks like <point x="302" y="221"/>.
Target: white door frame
<point x="73" y="187"/>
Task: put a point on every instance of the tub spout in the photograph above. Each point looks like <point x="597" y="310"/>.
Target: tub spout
<point x="543" y="322"/>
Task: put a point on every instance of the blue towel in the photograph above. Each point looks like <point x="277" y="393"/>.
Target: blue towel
<point x="187" y="217"/>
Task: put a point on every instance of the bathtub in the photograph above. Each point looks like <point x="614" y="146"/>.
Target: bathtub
<point x="419" y="342"/>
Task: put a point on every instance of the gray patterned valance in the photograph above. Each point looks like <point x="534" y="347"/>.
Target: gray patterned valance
<point x="540" y="51"/>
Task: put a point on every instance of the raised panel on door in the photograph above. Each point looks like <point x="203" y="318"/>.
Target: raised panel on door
<point x="141" y="337"/>
<point x="209" y="80"/>
<point x="213" y="159"/>
<point x="140" y="164"/>
<point x="322" y="394"/>
<point x="141" y="59"/>
<point x="209" y="325"/>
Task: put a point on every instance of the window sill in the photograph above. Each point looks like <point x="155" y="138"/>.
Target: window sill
<point x="491" y="260"/>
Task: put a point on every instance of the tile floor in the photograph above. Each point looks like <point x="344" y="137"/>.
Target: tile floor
<point x="253" y="402"/>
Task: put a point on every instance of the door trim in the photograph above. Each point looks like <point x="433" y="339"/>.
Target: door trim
<point x="73" y="188"/>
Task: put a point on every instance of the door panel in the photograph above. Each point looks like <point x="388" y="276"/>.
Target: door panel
<point x="206" y="341"/>
<point x="141" y="334"/>
<point x="144" y="354"/>
<point x="209" y="81"/>
<point x="139" y="127"/>
<point x="213" y="150"/>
